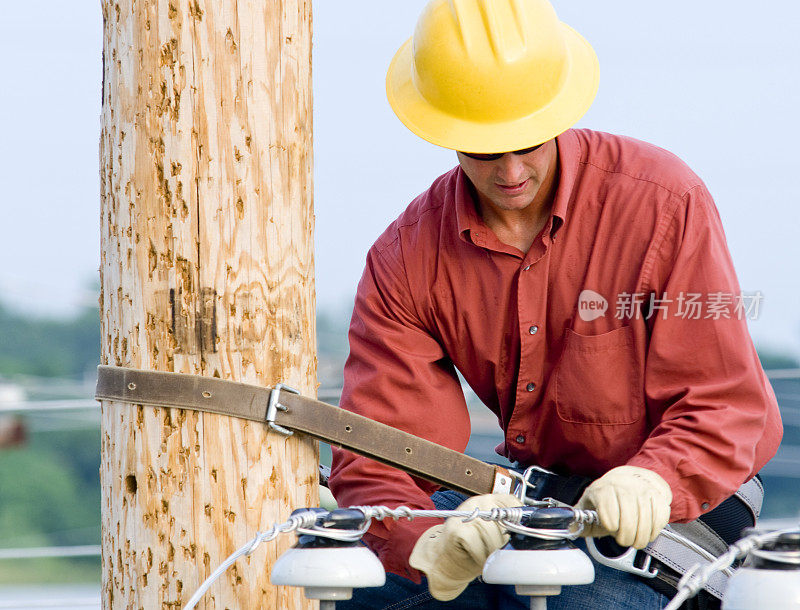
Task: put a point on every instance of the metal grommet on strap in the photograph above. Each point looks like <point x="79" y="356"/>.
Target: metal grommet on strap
<point x="274" y="406"/>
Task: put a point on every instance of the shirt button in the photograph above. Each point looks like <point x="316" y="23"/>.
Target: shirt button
<point x="705" y="506"/>
<point x="528" y="268"/>
<point x="533" y="330"/>
<point x="530" y="387"/>
<point x="520" y="438"/>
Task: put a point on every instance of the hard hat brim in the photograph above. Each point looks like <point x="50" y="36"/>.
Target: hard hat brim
<point x="442" y="129"/>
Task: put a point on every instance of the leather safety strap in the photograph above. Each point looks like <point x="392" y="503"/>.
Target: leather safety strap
<point x="320" y="420"/>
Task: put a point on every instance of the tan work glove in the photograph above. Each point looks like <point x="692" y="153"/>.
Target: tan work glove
<point x="632" y="503"/>
<point x="452" y="554"/>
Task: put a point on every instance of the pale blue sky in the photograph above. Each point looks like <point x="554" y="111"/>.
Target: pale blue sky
<point x="716" y="82"/>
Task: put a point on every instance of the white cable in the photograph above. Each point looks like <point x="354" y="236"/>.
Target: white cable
<point x="495" y="514"/>
<point x="510" y="518"/>
<point x="694" y="547"/>
<point x="301" y="520"/>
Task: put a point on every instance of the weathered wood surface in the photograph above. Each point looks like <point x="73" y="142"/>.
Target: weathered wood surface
<point x="207" y="268"/>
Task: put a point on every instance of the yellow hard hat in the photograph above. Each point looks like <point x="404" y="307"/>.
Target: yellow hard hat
<point x="491" y="75"/>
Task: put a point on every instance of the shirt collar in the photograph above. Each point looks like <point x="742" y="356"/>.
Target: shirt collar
<point x="470" y="224"/>
<point x="569" y="157"/>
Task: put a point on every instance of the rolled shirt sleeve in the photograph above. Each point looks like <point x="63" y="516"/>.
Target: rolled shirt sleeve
<point x="717" y="418"/>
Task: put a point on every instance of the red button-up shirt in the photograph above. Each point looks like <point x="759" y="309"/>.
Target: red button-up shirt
<point x="620" y="337"/>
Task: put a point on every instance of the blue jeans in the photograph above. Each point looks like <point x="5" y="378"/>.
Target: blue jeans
<point x="611" y="589"/>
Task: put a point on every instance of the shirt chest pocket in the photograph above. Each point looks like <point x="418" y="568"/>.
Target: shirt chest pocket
<point x="598" y="379"/>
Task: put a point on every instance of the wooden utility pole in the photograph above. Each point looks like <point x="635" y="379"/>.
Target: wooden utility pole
<point x="207" y="268"/>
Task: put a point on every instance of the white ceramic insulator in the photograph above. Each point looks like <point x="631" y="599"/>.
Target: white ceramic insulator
<point x="328" y="573"/>
<point x="751" y="589"/>
<point x="551" y="567"/>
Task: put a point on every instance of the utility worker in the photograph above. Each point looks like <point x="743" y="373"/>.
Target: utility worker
<point x="554" y="268"/>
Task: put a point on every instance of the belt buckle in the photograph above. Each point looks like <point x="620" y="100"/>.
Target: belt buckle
<point x="524" y="484"/>
<point x="274" y="406"/>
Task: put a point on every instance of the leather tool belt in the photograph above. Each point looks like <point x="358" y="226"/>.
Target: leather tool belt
<point x="285" y="411"/>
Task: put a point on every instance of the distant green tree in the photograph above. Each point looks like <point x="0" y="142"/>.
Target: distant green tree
<point x="50" y="492"/>
<point x="49" y="347"/>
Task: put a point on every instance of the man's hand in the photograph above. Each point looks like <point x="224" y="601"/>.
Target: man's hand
<point x="452" y="554"/>
<point x="632" y="503"/>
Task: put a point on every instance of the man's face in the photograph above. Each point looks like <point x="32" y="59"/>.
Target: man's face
<point x="512" y="181"/>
